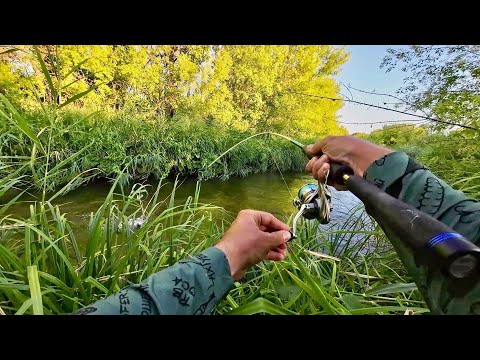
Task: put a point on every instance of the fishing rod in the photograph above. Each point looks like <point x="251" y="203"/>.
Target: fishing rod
<point x="433" y="243"/>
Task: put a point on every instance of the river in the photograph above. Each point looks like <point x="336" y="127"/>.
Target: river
<point x="271" y="192"/>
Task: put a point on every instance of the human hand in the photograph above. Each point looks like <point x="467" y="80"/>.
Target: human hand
<point x="354" y="152"/>
<point x="253" y="236"/>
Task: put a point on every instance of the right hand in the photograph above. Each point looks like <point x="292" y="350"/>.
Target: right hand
<point x="354" y="152"/>
<point x="253" y="236"/>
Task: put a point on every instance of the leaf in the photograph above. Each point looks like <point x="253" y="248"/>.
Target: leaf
<point x="287" y="292"/>
<point x="75" y="68"/>
<point x="14" y="286"/>
<point x="377" y="309"/>
<point x="76" y="123"/>
<point x="11" y="202"/>
<point x="19" y="122"/>
<point x="24" y="307"/>
<point x="9" y="51"/>
<point x="391" y="289"/>
<point x="352" y="302"/>
<point x="97" y="284"/>
<point x="35" y="292"/>
<point x="45" y="72"/>
<point x="78" y="96"/>
<point x="51" y="172"/>
<point x="261" y="305"/>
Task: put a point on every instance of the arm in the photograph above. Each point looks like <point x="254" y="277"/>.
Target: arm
<point x="191" y="286"/>
<point x="405" y="179"/>
<point x="194" y="286"/>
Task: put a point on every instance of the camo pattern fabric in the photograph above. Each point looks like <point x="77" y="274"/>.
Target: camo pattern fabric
<point x="402" y="177"/>
<point x="192" y="286"/>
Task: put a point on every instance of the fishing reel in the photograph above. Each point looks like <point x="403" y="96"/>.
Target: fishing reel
<point x="313" y="202"/>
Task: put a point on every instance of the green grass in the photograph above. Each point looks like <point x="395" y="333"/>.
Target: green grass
<point x="43" y="269"/>
<point x="78" y="146"/>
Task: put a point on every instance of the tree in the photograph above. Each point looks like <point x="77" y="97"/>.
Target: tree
<point x="399" y="135"/>
<point x="251" y="88"/>
<point x="444" y="81"/>
<point x="263" y="81"/>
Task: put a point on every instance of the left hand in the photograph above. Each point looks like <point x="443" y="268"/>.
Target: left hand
<point x="253" y="236"/>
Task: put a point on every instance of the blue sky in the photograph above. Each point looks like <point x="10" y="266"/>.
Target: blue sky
<point x="362" y="71"/>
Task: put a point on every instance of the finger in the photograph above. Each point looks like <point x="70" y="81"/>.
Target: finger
<point x="279" y="249"/>
<point x="269" y="221"/>
<point x="309" y="166"/>
<point x="318" y="164"/>
<point x="277" y="238"/>
<point x="275" y="256"/>
<point x="283" y="246"/>
<point x="318" y="147"/>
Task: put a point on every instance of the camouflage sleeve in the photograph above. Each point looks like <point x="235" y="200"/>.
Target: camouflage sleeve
<point x="192" y="286"/>
<point x="402" y="177"/>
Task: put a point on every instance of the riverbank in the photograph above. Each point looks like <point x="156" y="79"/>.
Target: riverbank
<point x="80" y="147"/>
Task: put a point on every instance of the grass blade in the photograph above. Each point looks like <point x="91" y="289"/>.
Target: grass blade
<point x="19" y="122"/>
<point x="9" y="51"/>
<point x="76" y="67"/>
<point x="35" y="292"/>
<point x="261" y="305"/>
<point x="46" y="73"/>
<point x="25" y="306"/>
<point x="78" y="96"/>
<point x="392" y="289"/>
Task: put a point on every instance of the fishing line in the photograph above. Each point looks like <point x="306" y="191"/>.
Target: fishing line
<point x="251" y="137"/>
<point x="386" y="108"/>
<point x="278" y="168"/>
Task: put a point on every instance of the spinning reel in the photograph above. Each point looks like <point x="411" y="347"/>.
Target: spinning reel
<point x="313" y="202"/>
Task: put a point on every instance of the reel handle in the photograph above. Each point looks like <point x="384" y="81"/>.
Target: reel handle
<point x="336" y="170"/>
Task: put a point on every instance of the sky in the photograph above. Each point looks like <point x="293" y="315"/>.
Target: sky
<point x="362" y="71"/>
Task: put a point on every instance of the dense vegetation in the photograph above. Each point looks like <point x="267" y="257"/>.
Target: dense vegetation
<point x="70" y="114"/>
<point x="161" y="110"/>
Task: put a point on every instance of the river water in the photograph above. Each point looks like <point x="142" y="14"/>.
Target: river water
<point x="271" y="192"/>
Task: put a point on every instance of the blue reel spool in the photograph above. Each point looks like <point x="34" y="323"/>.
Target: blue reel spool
<point x="307" y="195"/>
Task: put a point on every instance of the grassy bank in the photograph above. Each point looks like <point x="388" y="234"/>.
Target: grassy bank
<point x="103" y="145"/>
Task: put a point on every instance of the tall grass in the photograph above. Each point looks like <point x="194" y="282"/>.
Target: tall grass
<point x="102" y="144"/>
<point x="43" y="269"/>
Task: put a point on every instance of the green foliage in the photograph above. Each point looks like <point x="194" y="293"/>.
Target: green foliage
<point x="163" y="110"/>
<point x="454" y="156"/>
<point x="245" y="88"/>
<point x="442" y="81"/>
<point x="396" y="135"/>
<point x="106" y="144"/>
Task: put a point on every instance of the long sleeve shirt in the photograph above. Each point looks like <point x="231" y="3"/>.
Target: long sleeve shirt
<point x="403" y="178"/>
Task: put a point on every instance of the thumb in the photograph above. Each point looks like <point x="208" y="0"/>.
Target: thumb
<point x="278" y="237"/>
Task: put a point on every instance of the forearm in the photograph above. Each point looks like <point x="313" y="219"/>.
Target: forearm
<point x="192" y="286"/>
<point x="412" y="183"/>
